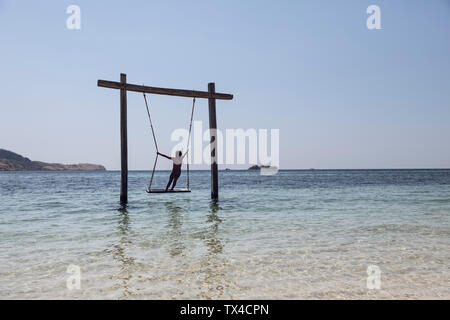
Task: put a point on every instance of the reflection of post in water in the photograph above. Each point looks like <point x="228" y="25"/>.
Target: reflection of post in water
<point x="212" y="241"/>
<point x="126" y="263"/>
<point x="175" y="233"/>
<point x="213" y="265"/>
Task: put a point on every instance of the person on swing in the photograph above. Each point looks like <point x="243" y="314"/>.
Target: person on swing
<point x="176" y="169"/>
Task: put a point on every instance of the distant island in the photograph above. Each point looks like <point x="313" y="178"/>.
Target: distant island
<point x="256" y="167"/>
<point x="10" y="161"/>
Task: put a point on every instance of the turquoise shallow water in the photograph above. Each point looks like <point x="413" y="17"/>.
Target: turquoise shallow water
<point x="299" y="234"/>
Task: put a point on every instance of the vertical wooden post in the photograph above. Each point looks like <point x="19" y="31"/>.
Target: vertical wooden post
<point x="213" y="143"/>
<point x="123" y="141"/>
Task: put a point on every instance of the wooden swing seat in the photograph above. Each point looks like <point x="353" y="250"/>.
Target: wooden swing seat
<point x="168" y="191"/>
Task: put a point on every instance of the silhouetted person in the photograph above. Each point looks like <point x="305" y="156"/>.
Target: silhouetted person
<point x="176" y="169"/>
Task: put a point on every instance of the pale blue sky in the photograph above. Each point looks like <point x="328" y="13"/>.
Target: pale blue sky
<point x="342" y="96"/>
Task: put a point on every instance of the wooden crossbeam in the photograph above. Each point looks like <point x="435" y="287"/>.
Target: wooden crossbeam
<point x="164" y="91"/>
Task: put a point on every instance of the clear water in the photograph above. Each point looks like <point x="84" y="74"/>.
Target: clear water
<point x="299" y="234"/>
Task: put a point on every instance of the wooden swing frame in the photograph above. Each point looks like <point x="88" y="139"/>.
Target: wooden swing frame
<point x="211" y="95"/>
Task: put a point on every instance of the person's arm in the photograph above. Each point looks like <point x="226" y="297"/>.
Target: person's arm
<point x="165" y="156"/>
<point x="182" y="157"/>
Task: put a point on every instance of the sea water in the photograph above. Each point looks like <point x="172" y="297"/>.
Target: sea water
<point x="309" y="234"/>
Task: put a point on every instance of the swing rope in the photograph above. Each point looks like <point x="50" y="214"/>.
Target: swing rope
<point x="154" y="139"/>
<point x="189" y="138"/>
<point x="150" y="119"/>
<point x="156" y="143"/>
